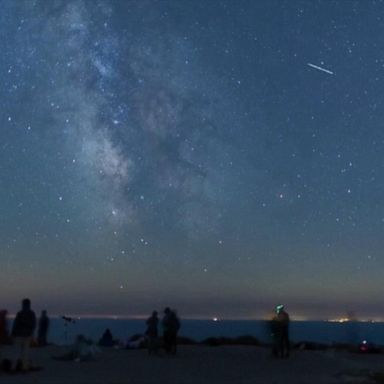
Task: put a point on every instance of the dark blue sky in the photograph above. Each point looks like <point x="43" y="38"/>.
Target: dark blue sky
<point x="185" y="153"/>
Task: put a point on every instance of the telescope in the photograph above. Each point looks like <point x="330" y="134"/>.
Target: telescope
<point x="68" y="319"/>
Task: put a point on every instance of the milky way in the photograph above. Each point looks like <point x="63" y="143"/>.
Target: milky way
<point x="186" y="153"/>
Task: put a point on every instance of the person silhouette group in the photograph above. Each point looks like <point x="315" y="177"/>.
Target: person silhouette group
<point x="170" y="325"/>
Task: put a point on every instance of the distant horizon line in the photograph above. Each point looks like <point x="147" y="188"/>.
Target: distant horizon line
<point x="212" y="318"/>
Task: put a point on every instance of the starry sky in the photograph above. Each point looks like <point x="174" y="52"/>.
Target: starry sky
<point x="215" y="156"/>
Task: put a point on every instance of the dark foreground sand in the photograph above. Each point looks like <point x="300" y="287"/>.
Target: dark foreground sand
<point x="202" y="364"/>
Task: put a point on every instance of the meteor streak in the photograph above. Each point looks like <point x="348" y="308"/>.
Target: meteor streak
<point x="321" y="69"/>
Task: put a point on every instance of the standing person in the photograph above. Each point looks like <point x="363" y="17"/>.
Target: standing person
<point x="275" y="334"/>
<point x="4" y="334"/>
<point x="175" y="326"/>
<point x="43" y="329"/>
<point x="171" y="326"/>
<point x="152" y="332"/>
<point x="22" y="332"/>
<point x="283" y="324"/>
<point x="167" y="332"/>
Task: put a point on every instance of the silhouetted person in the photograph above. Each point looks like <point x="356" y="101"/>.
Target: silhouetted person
<point x="43" y="329"/>
<point x="171" y="326"/>
<point x="5" y="364"/>
<point x="283" y="331"/>
<point x="4" y="333"/>
<point x="276" y="335"/>
<point x="22" y="332"/>
<point x="152" y="332"/>
<point x="107" y="339"/>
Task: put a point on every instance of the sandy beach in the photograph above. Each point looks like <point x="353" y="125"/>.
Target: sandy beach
<point x="200" y="365"/>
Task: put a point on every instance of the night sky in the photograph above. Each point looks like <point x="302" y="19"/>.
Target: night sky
<point x="219" y="157"/>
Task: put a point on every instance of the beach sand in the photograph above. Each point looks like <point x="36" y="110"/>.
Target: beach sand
<point x="200" y="365"/>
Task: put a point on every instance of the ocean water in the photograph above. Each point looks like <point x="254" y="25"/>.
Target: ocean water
<point x="317" y="331"/>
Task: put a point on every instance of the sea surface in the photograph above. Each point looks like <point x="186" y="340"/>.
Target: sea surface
<point x="64" y="332"/>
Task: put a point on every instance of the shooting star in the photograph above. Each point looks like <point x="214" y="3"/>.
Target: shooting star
<point x="320" y="68"/>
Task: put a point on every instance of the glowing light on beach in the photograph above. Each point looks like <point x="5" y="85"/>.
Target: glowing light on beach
<point x="341" y="320"/>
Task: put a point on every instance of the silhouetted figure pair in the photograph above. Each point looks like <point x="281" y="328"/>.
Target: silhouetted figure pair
<point x="171" y="326"/>
<point x="22" y="332"/>
<point x="43" y="329"/>
<point x="280" y="333"/>
<point x="152" y="333"/>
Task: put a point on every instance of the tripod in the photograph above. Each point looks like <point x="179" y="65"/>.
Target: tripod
<point x="67" y="321"/>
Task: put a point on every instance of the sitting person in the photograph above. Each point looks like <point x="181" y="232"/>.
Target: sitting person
<point x="82" y="350"/>
<point x="107" y="339"/>
<point x="136" y="342"/>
